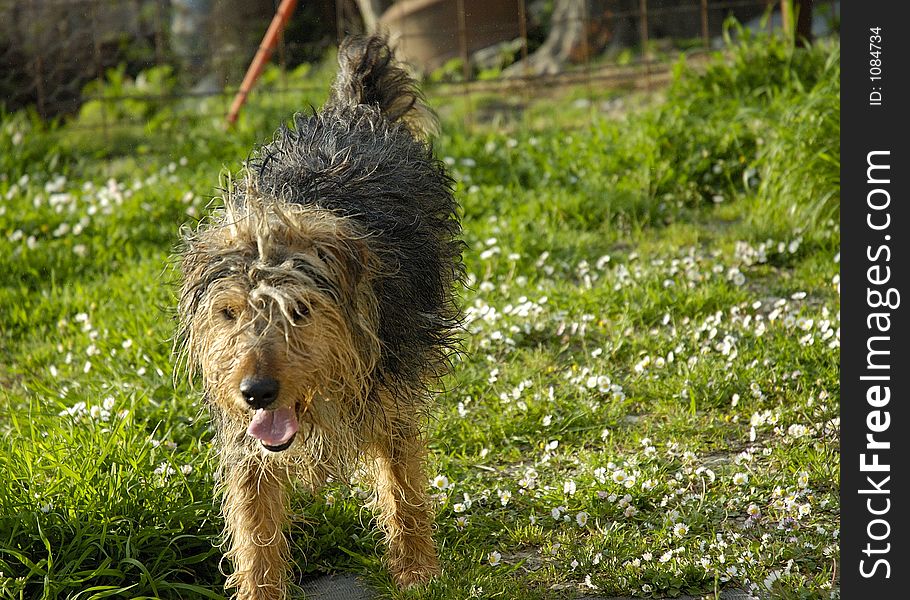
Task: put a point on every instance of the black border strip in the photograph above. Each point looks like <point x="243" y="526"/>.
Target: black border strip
<point x="875" y="245"/>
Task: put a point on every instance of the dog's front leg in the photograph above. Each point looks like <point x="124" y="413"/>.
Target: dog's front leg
<point x="255" y="514"/>
<point x="405" y="513"/>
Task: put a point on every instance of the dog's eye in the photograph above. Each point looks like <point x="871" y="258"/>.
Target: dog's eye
<point x="229" y="313"/>
<point x="301" y="312"/>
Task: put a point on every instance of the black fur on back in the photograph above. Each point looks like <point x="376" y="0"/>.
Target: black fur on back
<point x="359" y="158"/>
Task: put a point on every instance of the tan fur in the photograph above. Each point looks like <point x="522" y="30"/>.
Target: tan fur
<point x="405" y="513"/>
<point x="246" y="273"/>
<point x="254" y="505"/>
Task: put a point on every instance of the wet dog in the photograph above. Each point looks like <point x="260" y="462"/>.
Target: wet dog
<point x="318" y="305"/>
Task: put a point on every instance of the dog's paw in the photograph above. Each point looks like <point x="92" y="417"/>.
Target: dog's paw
<point x="416" y="575"/>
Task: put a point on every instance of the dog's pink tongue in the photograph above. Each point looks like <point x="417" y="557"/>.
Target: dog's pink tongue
<point x="273" y="427"/>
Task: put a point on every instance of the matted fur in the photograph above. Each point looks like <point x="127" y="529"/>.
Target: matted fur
<point x="330" y="268"/>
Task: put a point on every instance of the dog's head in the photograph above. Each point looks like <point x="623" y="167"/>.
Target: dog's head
<point x="276" y="310"/>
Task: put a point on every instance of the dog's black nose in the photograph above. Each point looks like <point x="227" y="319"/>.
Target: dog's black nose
<point x="259" y="392"/>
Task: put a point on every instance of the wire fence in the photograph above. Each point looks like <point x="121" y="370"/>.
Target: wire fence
<point x="57" y="56"/>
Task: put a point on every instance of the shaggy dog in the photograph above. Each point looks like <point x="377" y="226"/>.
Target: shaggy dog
<point x="318" y="305"/>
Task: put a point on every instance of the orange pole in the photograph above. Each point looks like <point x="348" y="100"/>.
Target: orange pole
<point x="263" y="54"/>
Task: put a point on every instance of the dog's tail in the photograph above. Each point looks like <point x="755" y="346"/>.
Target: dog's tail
<point x="369" y="74"/>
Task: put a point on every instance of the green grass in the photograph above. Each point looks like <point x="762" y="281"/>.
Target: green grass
<point x="646" y="404"/>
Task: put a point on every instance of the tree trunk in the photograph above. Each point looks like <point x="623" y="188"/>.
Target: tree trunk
<point x="370" y="11"/>
<point x="566" y="36"/>
<point x="803" y="22"/>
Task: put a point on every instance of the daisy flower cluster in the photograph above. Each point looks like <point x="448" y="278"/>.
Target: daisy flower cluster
<point x="84" y="349"/>
<point x="68" y="214"/>
<point x="697" y="514"/>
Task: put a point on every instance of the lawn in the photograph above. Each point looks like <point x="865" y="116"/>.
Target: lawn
<point x="646" y="401"/>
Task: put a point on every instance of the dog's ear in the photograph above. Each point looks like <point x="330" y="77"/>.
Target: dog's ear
<point x="202" y="265"/>
<point x="193" y="282"/>
<point x="350" y="260"/>
<point x="353" y="264"/>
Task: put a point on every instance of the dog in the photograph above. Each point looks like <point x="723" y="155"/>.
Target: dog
<point x="319" y="306"/>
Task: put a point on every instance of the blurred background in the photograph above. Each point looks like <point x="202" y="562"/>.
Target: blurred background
<point x="107" y="64"/>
